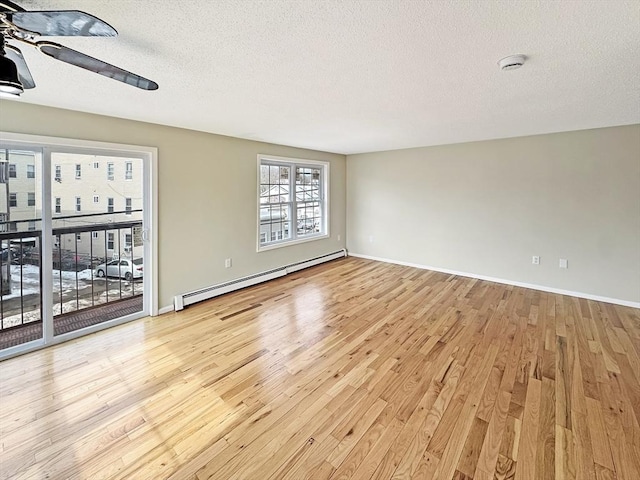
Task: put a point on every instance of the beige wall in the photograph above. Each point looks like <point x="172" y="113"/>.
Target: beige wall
<point x="486" y="208"/>
<point x="207" y="194"/>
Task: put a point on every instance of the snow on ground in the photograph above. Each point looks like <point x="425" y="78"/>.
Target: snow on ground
<point x="31" y="280"/>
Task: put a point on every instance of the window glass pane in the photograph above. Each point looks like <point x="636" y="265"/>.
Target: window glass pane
<point x="307" y="183"/>
<point x="274" y="223"/>
<point x="309" y="216"/>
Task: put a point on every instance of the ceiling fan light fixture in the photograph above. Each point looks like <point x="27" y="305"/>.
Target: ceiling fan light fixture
<point x="9" y="82"/>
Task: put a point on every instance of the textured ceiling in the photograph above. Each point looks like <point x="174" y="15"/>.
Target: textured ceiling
<point x="353" y="76"/>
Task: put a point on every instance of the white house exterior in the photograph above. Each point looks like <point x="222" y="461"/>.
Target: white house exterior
<point x="83" y="185"/>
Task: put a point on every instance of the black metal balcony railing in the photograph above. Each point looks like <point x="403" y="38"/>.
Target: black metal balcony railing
<point x="76" y="283"/>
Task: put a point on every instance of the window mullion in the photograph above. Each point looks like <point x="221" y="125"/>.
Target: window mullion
<point x="294" y="202"/>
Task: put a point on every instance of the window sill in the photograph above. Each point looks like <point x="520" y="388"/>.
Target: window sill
<point x="272" y="246"/>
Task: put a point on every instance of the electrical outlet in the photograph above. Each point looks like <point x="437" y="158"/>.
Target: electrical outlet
<point x="564" y="263"/>
<point x="227" y="263"/>
<point x="535" y="260"/>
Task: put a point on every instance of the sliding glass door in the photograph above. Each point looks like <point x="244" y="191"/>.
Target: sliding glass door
<point x="74" y="233"/>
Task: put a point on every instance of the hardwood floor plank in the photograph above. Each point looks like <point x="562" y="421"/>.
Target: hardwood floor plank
<point x="493" y="438"/>
<point x="545" y="453"/>
<point x="352" y="369"/>
<point x="529" y="436"/>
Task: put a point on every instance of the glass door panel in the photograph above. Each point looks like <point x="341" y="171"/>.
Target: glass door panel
<point x="97" y="220"/>
<point x="20" y="246"/>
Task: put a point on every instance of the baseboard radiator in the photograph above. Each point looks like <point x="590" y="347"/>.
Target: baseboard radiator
<point x="186" y="299"/>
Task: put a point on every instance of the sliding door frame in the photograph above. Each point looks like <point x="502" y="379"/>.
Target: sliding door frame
<point x="48" y="145"/>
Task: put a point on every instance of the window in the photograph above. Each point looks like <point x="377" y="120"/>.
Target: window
<point x="78" y="204"/>
<point x="292" y="200"/>
<point x="110" y="171"/>
<point x="78" y="171"/>
<point x="13" y="226"/>
<point x="110" y="241"/>
<point x="109" y="205"/>
<point x="12" y="170"/>
<point x="127" y="206"/>
<point x="94" y="234"/>
<point x="13" y="199"/>
<point x="96" y="199"/>
<point x="58" y="205"/>
<point x="78" y="237"/>
<point x="32" y="225"/>
<point x="31" y="171"/>
<point x="58" y="175"/>
<point x="128" y="172"/>
<point x="31" y="199"/>
<point x="96" y="164"/>
<point x="127" y="242"/>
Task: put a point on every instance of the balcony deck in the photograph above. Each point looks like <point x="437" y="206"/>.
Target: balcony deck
<point x="71" y="321"/>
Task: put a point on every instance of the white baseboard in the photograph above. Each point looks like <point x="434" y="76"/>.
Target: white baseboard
<point x="167" y="309"/>
<point x="189" y="298"/>
<point x="542" y="288"/>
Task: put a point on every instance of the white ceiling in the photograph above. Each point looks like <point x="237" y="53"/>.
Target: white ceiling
<point x="352" y="76"/>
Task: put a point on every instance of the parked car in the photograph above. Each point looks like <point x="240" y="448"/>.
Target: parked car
<point x="15" y="256"/>
<point x="123" y="268"/>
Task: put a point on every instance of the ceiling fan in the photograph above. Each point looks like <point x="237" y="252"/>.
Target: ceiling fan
<point x="22" y="26"/>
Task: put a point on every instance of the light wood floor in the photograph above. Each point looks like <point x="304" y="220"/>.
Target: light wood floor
<point x="350" y="370"/>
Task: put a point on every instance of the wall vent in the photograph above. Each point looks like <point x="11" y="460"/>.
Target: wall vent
<point x="186" y="299"/>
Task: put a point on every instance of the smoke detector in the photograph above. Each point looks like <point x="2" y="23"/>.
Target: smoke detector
<point x="512" y="62"/>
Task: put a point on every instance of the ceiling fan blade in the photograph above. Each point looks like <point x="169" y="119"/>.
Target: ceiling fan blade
<point x="81" y="60"/>
<point x="24" y="74"/>
<point x="7" y="6"/>
<point x="63" y="23"/>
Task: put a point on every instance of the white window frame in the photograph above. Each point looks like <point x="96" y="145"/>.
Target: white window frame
<point x="78" y="204"/>
<point x="128" y="171"/>
<point x="128" y="206"/>
<point x="13" y="200"/>
<point x="96" y="199"/>
<point x="31" y="199"/>
<point x="324" y="191"/>
<point x="58" y="173"/>
<point x="31" y="171"/>
<point x="110" y="171"/>
<point x="111" y="205"/>
<point x="78" y="171"/>
<point x="111" y="240"/>
<point x="94" y="235"/>
<point x="58" y="205"/>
